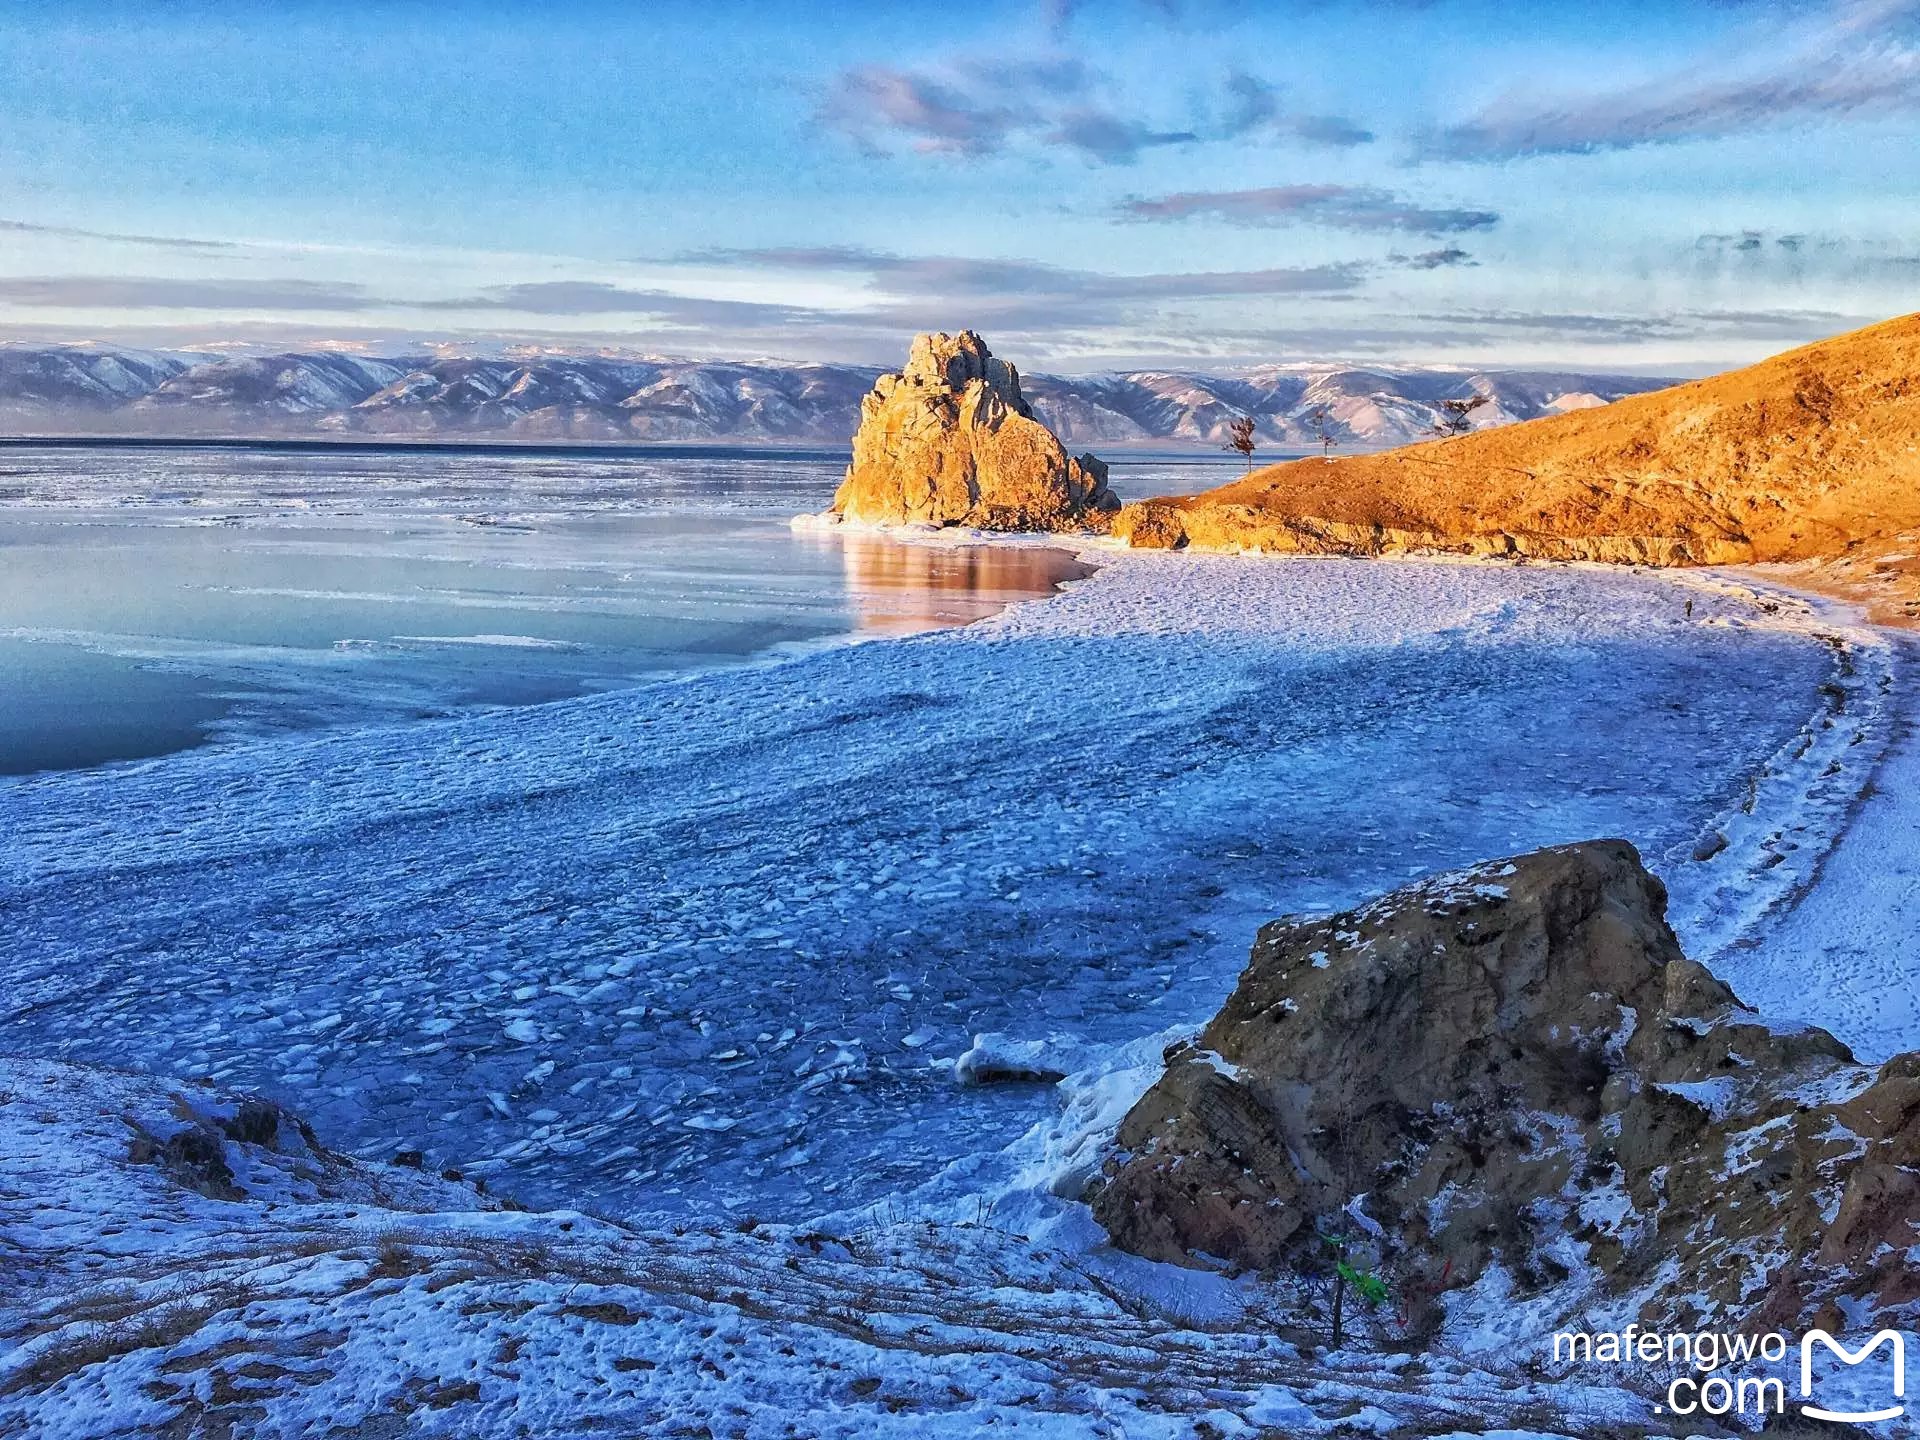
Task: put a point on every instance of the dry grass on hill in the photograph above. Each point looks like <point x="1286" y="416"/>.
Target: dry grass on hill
<point x="1810" y="459"/>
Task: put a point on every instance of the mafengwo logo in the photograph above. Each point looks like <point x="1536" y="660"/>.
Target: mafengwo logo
<point x="1891" y="1338"/>
<point x="1721" y="1373"/>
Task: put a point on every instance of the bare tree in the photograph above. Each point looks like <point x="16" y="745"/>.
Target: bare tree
<point x="1321" y="419"/>
<point x="1456" y="416"/>
<point x="1240" y="437"/>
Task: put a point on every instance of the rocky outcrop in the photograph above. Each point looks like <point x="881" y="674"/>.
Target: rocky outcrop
<point x="1812" y="456"/>
<point x="194" y="1154"/>
<point x="950" y="441"/>
<point x="1515" y="1067"/>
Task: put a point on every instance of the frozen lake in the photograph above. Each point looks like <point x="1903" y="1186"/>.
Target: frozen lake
<point x="155" y="598"/>
<point x="713" y="945"/>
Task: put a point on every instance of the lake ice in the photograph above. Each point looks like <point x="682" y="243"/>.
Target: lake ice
<point x="715" y="942"/>
<point x="153" y="598"/>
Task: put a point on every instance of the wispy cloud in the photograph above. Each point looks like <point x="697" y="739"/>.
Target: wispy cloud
<point x="1481" y="337"/>
<point x="1676" y="325"/>
<point x="1059" y="14"/>
<point x="1745" y="242"/>
<point x="1334" y="130"/>
<point x="1046" y="308"/>
<point x="74" y="232"/>
<point x="594" y="297"/>
<point x="149" y="292"/>
<point x="1253" y="110"/>
<point x="953" y="276"/>
<point x="1105" y="137"/>
<point x="975" y="107"/>
<point x="1549" y="339"/>
<point x="1342" y="207"/>
<point x="1863" y="59"/>
<point x="1444" y="258"/>
<point x="978" y="106"/>
<point x="874" y="104"/>
<point x="1798" y="257"/>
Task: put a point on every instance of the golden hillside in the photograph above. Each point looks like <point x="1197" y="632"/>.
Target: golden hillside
<point x="1812" y="457"/>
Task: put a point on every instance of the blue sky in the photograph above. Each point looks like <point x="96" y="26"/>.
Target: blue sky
<point x="1197" y="182"/>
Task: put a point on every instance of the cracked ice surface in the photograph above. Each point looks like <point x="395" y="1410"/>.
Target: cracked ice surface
<point x="715" y="942"/>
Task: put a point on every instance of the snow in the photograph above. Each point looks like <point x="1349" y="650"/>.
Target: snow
<point x="1715" y="1096"/>
<point x="493" y="642"/>
<point x="1845" y="955"/>
<point x="1803" y="796"/>
<point x="996" y="1057"/>
<point x="335" y="1295"/>
<point x="701" y="949"/>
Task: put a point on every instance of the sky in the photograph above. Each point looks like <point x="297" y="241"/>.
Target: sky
<point x="1661" y="187"/>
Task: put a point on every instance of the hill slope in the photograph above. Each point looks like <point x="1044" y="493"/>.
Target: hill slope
<point x="1810" y="458"/>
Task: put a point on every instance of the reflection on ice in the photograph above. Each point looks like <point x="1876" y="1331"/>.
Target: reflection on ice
<point x="897" y="587"/>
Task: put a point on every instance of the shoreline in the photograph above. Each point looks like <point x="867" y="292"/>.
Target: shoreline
<point x="1888" y="597"/>
<point x="126" y="685"/>
<point x="222" y="734"/>
<point x="1839" y="615"/>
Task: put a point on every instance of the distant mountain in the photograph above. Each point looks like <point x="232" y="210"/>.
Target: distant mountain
<point x="1367" y="407"/>
<point x="92" y="389"/>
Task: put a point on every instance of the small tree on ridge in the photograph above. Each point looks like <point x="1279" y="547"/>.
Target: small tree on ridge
<point x="1456" y="416"/>
<point x="1240" y="437"/>
<point x="1321" y="419"/>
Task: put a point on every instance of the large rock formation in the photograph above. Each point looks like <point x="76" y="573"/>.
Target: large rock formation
<point x="1515" y="1067"/>
<point x="1812" y="456"/>
<point x="950" y="441"/>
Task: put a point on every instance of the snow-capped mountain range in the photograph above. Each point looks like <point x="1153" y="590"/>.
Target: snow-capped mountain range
<point x="96" y="389"/>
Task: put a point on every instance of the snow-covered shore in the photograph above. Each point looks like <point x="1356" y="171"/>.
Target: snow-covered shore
<point x="1846" y="954"/>
<point x="712" y="947"/>
<point x="343" y="1298"/>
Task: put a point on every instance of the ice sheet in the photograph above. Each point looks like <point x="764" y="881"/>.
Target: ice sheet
<point x="716" y="942"/>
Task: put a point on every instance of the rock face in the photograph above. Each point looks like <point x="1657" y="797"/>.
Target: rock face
<point x="1515" y="1067"/>
<point x="1812" y="457"/>
<point x="950" y="441"/>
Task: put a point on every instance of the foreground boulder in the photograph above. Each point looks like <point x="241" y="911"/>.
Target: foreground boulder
<point x="1515" y="1068"/>
<point x="950" y="441"/>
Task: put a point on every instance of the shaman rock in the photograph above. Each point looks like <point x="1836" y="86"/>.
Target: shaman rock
<point x="950" y="441"/>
